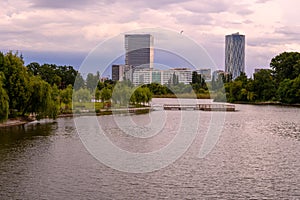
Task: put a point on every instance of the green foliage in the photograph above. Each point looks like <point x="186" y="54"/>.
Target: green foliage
<point x="264" y="85"/>
<point x="198" y="82"/>
<point x="92" y="81"/>
<point x="4" y="105"/>
<point x="40" y="102"/>
<point x="141" y="95"/>
<point x="82" y="95"/>
<point x="282" y="83"/>
<point x="121" y="94"/>
<point x="66" y="96"/>
<point x="289" y="91"/>
<point x="16" y="81"/>
<point x="105" y="94"/>
<point x="79" y="82"/>
<point x="62" y="76"/>
<point x="286" y="66"/>
<point x="157" y="89"/>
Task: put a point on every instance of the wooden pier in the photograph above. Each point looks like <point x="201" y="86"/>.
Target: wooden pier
<point x="203" y="107"/>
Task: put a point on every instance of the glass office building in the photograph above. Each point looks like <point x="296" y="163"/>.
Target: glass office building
<point x="235" y="54"/>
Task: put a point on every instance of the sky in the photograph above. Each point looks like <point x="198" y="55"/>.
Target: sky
<point x="64" y="32"/>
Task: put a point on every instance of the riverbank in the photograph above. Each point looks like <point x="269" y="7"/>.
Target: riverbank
<point x="24" y="120"/>
<point x="266" y="103"/>
<point x="15" y="122"/>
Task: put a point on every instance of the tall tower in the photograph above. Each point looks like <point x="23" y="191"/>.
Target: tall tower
<point x="139" y="50"/>
<point x="235" y="54"/>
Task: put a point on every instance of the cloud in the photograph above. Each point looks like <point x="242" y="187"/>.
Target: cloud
<point x="194" y="19"/>
<point x="206" y="6"/>
<point x="78" y="26"/>
<point x="289" y="32"/>
<point x="60" y="4"/>
<point x="262" y="1"/>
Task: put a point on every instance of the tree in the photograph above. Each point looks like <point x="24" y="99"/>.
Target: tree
<point x="34" y="68"/>
<point x="67" y="74"/>
<point x="40" y="102"/>
<point x="82" y="95"/>
<point x="4" y="105"/>
<point x="286" y="66"/>
<point x="105" y="94"/>
<point x="235" y="91"/>
<point x="66" y="96"/>
<point x="16" y="81"/>
<point x="264" y="85"/>
<point x="157" y="89"/>
<point x="289" y="91"/>
<point x="92" y="81"/>
<point x="121" y="94"/>
<point x="79" y="82"/>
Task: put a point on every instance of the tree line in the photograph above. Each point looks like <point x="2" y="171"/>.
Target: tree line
<point x="280" y="83"/>
<point x="42" y="90"/>
<point x="47" y="90"/>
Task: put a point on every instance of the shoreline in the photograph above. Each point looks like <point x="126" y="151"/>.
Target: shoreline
<point x="267" y="103"/>
<point x="24" y="120"/>
<point x="15" y="122"/>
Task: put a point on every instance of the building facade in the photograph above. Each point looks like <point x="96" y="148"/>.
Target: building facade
<point x="139" y="51"/>
<point x="206" y="73"/>
<point x="117" y="72"/>
<point x="141" y="76"/>
<point x="235" y="54"/>
<point x="163" y="77"/>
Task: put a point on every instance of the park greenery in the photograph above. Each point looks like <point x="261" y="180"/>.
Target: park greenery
<point x="280" y="84"/>
<point x="48" y="90"/>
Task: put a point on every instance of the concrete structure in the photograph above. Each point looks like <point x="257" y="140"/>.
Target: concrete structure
<point x="128" y="72"/>
<point x="141" y="76"/>
<point x="139" y="51"/>
<point x="235" y="54"/>
<point x="117" y="72"/>
<point x="146" y="76"/>
<point x="216" y="74"/>
<point x="184" y="75"/>
<point x="206" y="73"/>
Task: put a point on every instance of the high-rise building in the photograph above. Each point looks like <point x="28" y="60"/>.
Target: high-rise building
<point x="235" y="54"/>
<point x="117" y="72"/>
<point x="139" y="50"/>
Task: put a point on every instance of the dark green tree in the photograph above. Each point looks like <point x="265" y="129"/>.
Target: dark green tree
<point x="264" y="85"/>
<point x="4" y="100"/>
<point x="289" y="91"/>
<point x="16" y="81"/>
<point x="40" y="102"/>
<point x="286" y="66"/>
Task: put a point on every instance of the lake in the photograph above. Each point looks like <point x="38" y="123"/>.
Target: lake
<point x="251" y="153"/>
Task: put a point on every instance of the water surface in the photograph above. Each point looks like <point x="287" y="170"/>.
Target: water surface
<point x="256" y="156"/>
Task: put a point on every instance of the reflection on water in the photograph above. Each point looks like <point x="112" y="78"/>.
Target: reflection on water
<point x="257" y="156"/>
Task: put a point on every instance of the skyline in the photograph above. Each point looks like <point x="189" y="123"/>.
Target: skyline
<point x="65" y="32"/>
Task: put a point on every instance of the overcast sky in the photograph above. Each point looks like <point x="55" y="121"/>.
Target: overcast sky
<point x="63" y="32"/>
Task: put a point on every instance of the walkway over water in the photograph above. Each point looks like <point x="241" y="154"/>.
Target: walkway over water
<point x="204" y="107"/>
